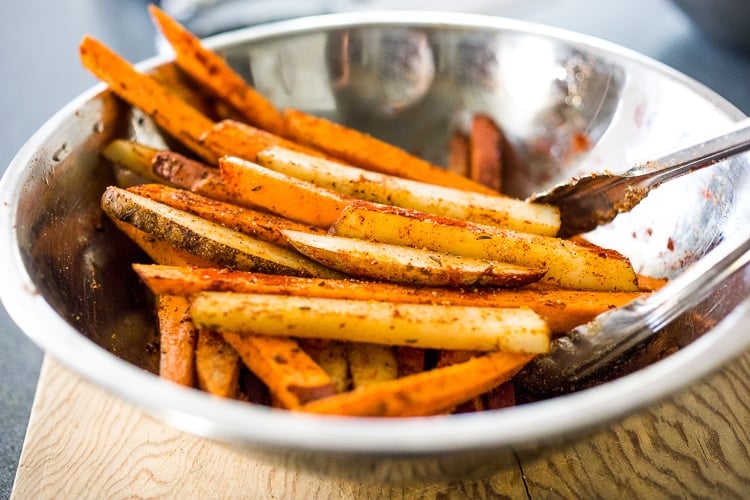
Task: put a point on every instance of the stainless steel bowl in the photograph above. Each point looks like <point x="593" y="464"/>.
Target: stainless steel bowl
<point x="410" y="78"/>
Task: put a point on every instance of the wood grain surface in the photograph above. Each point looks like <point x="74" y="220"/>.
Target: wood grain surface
<point x="85" y="443"/>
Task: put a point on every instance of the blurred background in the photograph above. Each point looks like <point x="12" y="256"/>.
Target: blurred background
<point x="41" y="72"/>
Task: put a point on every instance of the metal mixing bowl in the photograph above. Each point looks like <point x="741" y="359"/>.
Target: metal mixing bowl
<point x="410" y="78"/>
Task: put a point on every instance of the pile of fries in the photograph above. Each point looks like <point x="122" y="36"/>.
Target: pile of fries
<point x="301" y="264"/>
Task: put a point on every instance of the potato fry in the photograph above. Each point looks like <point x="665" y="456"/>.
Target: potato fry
<point x="206" y="239"/>
<point x="365" y="151"/>
<point x="402" y="264"/>
<point x="179" y="119"/>
<point x="333" y="359"/>
<point x="292" y="377"/>
<point x="216" y="76"/>
<point x="133" y="156"/>
<point x="177" y="337"/>
<point x="426" y="393"/>
<point x="253" y="184"/>
<point x="485" y="161"/>
<point x="180" y="171"/>
<point x="389" y="323"/>
<point x="261" y="225"/>
<point x="409" y="359"/>
<point x="562" y="309"/>
<point x="217" y="365"/>
<point x="355" y="182"/>
<point x="371" y="363"/>
<point x="568" y="264"/>
<point x="233" y="138"/>
<point x="160" y="251"/>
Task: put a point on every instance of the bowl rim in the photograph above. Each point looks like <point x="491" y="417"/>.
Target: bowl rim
<point x="246" y="424"/>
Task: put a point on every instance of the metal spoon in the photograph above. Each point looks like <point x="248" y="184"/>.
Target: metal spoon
<point x="589" y="201"/>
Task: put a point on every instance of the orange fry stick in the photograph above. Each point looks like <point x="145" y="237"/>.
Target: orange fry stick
<point x="213" y="73"/>
<point x="425" y="393"/>
<point x="177" y="337"/>
<point x="233" y="138"/>
<point x="179" y="119"/>
<point x="292" y="377"/>
<point x="485" y="162"/>
<point x="261" y="225"/>
<point x="563" y="309"/>
<point x="368" y="152"/>
<point x="281" y="194"/>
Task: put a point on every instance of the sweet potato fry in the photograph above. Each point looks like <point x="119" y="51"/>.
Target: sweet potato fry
<point x="217" y="365"/>
<point x="355" y="182"/>
<point x="426" y="393"/>
<point x="232" y="138"/>
<point x="176" y="117"/>
<point x="568" y="264"/>
<point x="401" y="264"/>
<point x="205" y="239"/>
<point x="409" y="359"/>
<point x="389" y="323"/>
<point x="371" y="363"/>
<point x="281" y="194"/>
<point x="160" y="251"/>
<point x="292" y="377"/>
<point x="261" y="225"/>
<point x="365" y="151"/>
<point x="485" y="162"/>
<point x="216" y="76"/>
<point x="458" y="154"/>
<point x="563" y="309"/>
<point x="177" y="337"/>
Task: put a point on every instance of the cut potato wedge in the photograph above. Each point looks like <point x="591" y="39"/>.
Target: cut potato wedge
<point x="355" y="182"/>
<point x="390" y="323"/>
<point x="403" y="264"/>
<point x="568" y="264"/>
<point x="371" y="363"/>
<point x="261" y="225"/>
<point x="206" y="239"/>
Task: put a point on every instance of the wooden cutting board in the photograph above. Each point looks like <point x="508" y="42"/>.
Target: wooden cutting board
<point x="85" y="443"/>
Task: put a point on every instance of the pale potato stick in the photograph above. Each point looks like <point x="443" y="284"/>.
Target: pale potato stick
<point x="181" y="171"/>
<point x="485" y="162"/>
<point x="368" y="152"/>
<point x="332" y="358"/>
<point x="133" y="156"/>
<point x="292" y="377"/>
<point x="426" y="393"/>
<point x="281" y="194"/>
<point x="458" y="154"/>
<point x="216" y="76"/>
<point x="217" y="365"/>
<point x="207" y="240"/>
<point x="563" y="309"/>
<point x="232" y="138"/>
<point x="160" y="251"/>
<point x="371" y="363"/>
<point x="355" y="182"/>
<point x="177" y="337"/>
<point x="568" y="264"/>
<point x="261" y="225"/>
<point x="401" y="264"/>
<point x="179" y="119"/>
<point x="409" y="359"/>
<point x="389" y="323"/>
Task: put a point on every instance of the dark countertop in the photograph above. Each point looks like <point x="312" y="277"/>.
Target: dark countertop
<point x="38" y="54"/>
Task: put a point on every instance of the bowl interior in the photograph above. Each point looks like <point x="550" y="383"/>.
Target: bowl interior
<point x="567" y="104"/>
